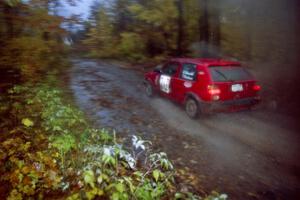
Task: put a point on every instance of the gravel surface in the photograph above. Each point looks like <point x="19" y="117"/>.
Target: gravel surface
<point x="248" y="155"/>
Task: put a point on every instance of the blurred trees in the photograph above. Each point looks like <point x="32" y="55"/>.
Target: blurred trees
<point x="153" y="29"/>
<point x="144" y="29"/>
<point x="100" y="38"/>
<point x="157" y="24"/>
<point x="31" y="36"/>
<point x="259" y="31"/>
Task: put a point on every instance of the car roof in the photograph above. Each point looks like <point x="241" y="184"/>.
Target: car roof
<point x="205" y="61"/>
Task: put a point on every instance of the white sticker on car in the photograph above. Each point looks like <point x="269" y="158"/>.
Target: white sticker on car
<point x="237" y="88"/>
<point x="201" y="72"/>
<point x="164" y="83"/>
<point x="187" y="84"/>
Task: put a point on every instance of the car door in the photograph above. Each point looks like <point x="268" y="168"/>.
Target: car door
<point x="185" y="81"/>
<point x="166" y="79"/>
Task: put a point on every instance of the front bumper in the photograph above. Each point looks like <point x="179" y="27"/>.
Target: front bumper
<point x="229" y="105"/>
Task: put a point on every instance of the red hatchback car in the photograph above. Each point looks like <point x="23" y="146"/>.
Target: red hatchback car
<point x="204" y="85"/>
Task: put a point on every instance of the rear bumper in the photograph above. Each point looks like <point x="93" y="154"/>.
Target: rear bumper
<point x="230" y="105"/>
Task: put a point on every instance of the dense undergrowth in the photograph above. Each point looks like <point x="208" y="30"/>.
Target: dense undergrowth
<point x="49" y="151"/>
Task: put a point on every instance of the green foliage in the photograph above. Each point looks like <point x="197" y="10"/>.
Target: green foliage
<point x="118" y="190"/>
<point x="63" y="143"/>
<point x="89" y="178"/>
<point x="31" y="55"/>
<point x="132" y="46"/>
<point x="160" y="14"/>
<point x="152" y="28"/>
<point x="31" y="37"/>
<point x="157" y="174"/>
<point x="27" y="122"/>
<point x="57" y="116"/>
<point x="104" y="136"/>
<point x="12" y="2"/>
<point x="100" y="40"/>
<point x="149" y="191"/>
<point x="161" y="160"/>
<point x="142" y="30"/>
<point x="47" y="156"/>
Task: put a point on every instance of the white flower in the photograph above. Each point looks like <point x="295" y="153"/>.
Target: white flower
<point x="223" y="196"/>
<point x="138" y="143"/>
<point x="80" y="184"/>
<point x="98" y="171"/>
<point x="134" y="139"/>
<point x="108" y="151"/>
<point x="65" y="185"/>
<point x="128" y="158"/>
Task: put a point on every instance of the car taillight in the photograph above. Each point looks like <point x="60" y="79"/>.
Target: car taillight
<point x="213" y="90"/>
<point x="256" y="87"/>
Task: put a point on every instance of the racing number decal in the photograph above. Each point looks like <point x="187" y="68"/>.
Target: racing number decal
<point x="164" y="83"/>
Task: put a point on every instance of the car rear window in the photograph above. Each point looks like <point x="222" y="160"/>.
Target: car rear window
<point x="229" y="73"/>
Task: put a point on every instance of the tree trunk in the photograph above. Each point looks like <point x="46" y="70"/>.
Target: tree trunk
<point x="204" y="28"/>
<point x="248" y="29"/>
<point x="8" y="11"/>
<point x="203" y="22"/>
<point x="216" y="29"/>
<point x="180" y="24"/>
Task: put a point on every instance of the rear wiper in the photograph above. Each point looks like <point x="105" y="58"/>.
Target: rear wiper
<point x="223" y="75"/>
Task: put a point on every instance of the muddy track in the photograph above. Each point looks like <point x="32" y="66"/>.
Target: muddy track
<point x="248" y="155"/>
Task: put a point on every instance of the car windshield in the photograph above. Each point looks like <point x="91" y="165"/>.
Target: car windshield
<point x="229" y="73"/>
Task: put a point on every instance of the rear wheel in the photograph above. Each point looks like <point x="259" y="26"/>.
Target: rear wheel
<point x="149" y="89"/>
<point x="192" y="108"/>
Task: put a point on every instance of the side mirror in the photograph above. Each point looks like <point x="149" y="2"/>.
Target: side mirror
<point x="157" y="71"/>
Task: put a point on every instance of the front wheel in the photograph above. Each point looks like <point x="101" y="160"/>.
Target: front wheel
<point x="192" y="108"/>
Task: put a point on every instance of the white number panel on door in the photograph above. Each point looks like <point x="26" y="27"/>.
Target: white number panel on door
<point x="164" y="83"/>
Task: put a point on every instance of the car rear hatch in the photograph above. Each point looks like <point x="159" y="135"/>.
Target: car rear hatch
<point x="233" y="82"/>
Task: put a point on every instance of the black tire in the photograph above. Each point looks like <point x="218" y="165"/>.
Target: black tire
<point x="149" y="89"/>
<point x="192" y="108"/>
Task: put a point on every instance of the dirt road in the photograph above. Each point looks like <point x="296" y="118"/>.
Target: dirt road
<point x="248" y="155"/>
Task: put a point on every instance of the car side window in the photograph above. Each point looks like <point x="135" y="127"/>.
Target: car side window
<point x="170" y="69"/>
<point x="189" y="71"/>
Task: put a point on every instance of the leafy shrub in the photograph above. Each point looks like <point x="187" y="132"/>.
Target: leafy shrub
<point x="132" y="46"/>
<point x="63" y="143"/>
<point x="38" y="151"/>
